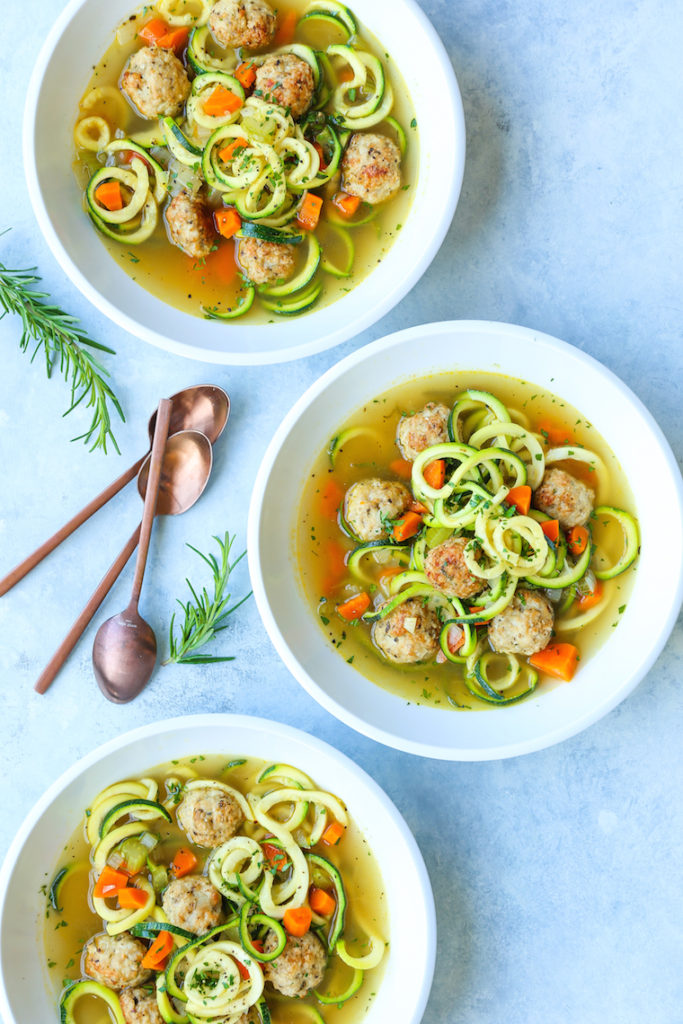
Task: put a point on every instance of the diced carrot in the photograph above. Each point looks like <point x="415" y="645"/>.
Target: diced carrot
<point x="577" y="539"/>
<point x="132" y="898"/>
<point x="346" y="204"/>
<point x="321" y="155"/>
<point x="276" y="857"/>
<point x="235" y="147"/>
<point x="586" y="601"/>
<point x="258" y="945"/>
<point x="455" y="638"/>
<point x="221" y="101"/>
<point x="321" y="901"/>
<point x="551" y="528"/>
<point x="407" y="526"/>
<point x="402" y="468"/>
<point x="157" y="954"/>
<point x="478" y="608"/>
<point x="331" y="498"/>
<point x="228" y="222"/>
<point x="245" y="74"/>
<point x="346" y="75"/>
<point x="153" y="31"/>
<point x="309" y="212"/>
<point x="335" y="561"/>
<point x="174" y="39"/>
<point x="241" y="970"/>
<point x="108" y="195"/>
<point x="219" y="266"/>
<point x="286" y="27"/>
<point x="183" y="863"/>
<point x="557" y="660"/>
<point x="109" y="882"/>
<point x="417" y="506"/>
<point x="435" y="473"/>
<point x="333" y="833"/>
<point x="354" y="607"/>
<point x="389" y="573"/>
<point x="555" y="433"/>
<point x="520" y="497"/>
<point x="297" y="920"/>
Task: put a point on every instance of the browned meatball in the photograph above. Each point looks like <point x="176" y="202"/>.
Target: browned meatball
<point x="249" y="23"/>
<point x="446" y="569"/>
<point x="408" y="634"/>
<point x="561" y="496"/>
<point x="300" y="966"/>
<point x="193" y="903"/>
<point x="115" y="960"/>
<point x="286" y="80"/>
<point x="525" y="626"/>
<point x="190" y="226"/>
<point x="370" y="502"/>
<point x="422" y="430"/>
<point x="156" y="82"/>
<point x="371" y="167"/>
<point x="209" y="816"/>
<point x="266" y="262"/>
<point x="139" y="1006"/>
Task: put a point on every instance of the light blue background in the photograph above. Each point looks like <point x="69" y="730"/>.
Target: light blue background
<point x="557" y="875"/>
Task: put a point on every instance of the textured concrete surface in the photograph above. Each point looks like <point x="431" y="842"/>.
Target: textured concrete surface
<point x="557" y="875"/>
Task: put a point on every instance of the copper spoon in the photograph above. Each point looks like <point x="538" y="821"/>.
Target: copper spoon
<point x="205" y="407"/>
<point x="185" y="472"/>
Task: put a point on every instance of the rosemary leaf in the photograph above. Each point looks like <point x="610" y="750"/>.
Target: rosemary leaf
<point x="205" y="615"/>
<point x="65" y="346"/>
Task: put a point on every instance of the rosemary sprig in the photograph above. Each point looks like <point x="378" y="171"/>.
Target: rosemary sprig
<point x="66" y="346"/>
<point x="205" y="615"/>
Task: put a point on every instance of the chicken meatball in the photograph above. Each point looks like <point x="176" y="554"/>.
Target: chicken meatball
<point x="300" y="966"/>
<point x="408" y="634"/>
<point x="249" y="23"/>
<point x="266" y="262"/>
<point x="561" y="496"/>
<point x="156" y="82"/>
<point x="371" y="168"/>
<point x="422" y="429"/>
<point x="209" y="816"/>
<point x="369" y="502"/>
<point x="139" y="1006"/>
<point x="190" y="225"/>
<point x="446" y="569"/>
<point x="525" y="626"/>
<point x="286" y="80"/>
<point x="116" y="960"/>
<point x="193" y="903"/>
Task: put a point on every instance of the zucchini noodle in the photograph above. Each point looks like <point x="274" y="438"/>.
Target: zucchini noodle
<point x="183" y="13"/>
<point x="108" y="101"/>
<point x="92" y="133"/>
<point x="213" y="986"/>
<point x="573" y="453"/>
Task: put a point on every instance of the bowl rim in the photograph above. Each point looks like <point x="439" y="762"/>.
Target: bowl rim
<point x="385" y="736"/>
<point x="208" y="720"/>
<point x="453" y="114"/>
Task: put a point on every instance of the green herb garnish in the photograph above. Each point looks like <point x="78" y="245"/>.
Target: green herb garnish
<point x="205" y="615"/>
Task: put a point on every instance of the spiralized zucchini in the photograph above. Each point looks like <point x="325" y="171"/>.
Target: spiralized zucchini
<point x="183" y="13"/>
<point x="92" y="133"/>
<point x="109" y="103"/>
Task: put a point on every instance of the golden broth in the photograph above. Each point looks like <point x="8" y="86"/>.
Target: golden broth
<point x="320" y="542"/>
<point x="67" y="932"/>
<point x="215" y="283"/>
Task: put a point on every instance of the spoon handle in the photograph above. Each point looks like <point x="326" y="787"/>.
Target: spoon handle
<point x="151" y="495"/>
<point x="40" y="553"/>
<point x="71" y="639"/>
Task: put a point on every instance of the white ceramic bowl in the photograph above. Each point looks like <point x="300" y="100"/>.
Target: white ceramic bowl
<point x="606" y="678"/>
<point x="24" y="992"/>
<point x="80" y="36"/>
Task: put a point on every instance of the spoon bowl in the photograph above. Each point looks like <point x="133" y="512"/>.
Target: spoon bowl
<point x="185" y="472"/>
<point x="204" y="407"/>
